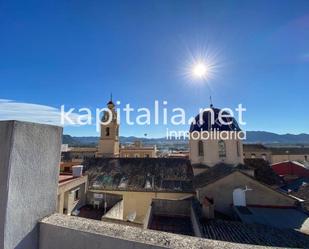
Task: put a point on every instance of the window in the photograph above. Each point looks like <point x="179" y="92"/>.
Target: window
<point x="306" y="157"/>
<point x="253" y="155"/>
<point x="146" y="155"/>
<point x="136" y="155"/>
<point x="107" y="131"/>
<point x="222" y="148"/>
<point x="200" y="148"/>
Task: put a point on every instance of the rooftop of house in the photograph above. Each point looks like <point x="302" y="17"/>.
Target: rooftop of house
<point x="67" y="178"/>
<point x="303" y="193"/>
<point x="238" y="232"/>
<point x="289" y="163"/>
<point x="283" y="218"/>
<point x="136" y="148"/>
<point x="216" y="172"/>
<point x="289" y="150"/>
<point x="263" y="171"/>
<point x="296" y="184"/>
<point x="255" y="147"/>
<point x="140" y="174"/>
<point x="83" y="149"/>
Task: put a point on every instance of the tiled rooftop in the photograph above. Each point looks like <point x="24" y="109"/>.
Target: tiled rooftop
<point x="64" y="178"/>
<point x="67" y="178"/>
<point x="238" y="232"/>
<point x="263" y="171"/>
<point x="139" y="174"/>
<point x="214" y="173"/>
<point x="290" y="150"/>
<point x="275" y="217"/>
<point x="303" y="193"/>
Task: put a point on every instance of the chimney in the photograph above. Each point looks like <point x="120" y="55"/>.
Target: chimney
<point x="77" y="170"/>
<point x="208" y="208"/>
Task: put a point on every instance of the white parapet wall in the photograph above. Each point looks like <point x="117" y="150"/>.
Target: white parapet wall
<point x="69" y="232"/>
<point x="29" y="168"/>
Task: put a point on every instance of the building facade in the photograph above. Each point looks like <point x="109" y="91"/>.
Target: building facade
<point x="276" y="154"/>
<point x="259" y="151"/>
<point x="138" y="150"/>
<point x="72" y="191"/>
<point x="214" y="149"/>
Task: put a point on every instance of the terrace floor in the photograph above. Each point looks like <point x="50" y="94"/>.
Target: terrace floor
<point x="91" y="213"/>
<point x="172" y="224"/>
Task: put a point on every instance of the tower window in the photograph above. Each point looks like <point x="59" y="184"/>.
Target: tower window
<point x="200" y="148"/>
<point x="107" y="131"/>
<point x="222" y="148"/>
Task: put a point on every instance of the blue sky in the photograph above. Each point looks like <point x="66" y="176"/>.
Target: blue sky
<point x="77" y="52"/>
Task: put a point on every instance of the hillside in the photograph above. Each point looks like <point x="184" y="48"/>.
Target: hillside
<point x="252" y="137"/>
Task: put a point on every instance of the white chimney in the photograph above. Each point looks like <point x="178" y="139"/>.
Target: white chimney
<point x="77" y="170"/>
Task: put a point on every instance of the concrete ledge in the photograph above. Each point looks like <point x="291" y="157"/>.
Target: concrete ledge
<point x="63" y="232"/>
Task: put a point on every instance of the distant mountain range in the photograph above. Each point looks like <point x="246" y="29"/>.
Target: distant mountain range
<point x="252" y="137"/>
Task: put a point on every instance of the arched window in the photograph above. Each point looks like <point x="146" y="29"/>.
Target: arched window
<point x="200" y="148"/>
<point x="107" y="131"/>
<point x="222" y="148"/>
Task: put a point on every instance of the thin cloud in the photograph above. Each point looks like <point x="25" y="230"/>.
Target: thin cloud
<point x="12" y="110"/>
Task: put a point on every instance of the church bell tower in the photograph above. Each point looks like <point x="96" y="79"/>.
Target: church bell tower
<point x="109" y="139"/>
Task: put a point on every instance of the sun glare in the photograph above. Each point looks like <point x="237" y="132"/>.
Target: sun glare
<point x="202" y="66"/>
<point x="199" y="70"/>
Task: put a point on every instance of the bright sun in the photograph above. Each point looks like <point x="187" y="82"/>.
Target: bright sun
<point x="199" y="70"/>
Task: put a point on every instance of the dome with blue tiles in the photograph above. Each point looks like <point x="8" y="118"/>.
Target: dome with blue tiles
<point x="206" y="125"/>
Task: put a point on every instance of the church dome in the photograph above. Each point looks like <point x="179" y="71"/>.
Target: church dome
<point x="218" y="126"/>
